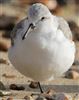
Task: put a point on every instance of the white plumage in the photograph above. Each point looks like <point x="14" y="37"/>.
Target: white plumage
<point x="47" y="51"/>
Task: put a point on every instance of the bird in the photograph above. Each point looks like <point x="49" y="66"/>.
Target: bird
<point x="42" y="46"/>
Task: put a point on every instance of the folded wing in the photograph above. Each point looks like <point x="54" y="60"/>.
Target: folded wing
<point x="64" y="27"/>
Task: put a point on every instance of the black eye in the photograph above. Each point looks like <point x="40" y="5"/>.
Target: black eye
<point x="42" y="18"/>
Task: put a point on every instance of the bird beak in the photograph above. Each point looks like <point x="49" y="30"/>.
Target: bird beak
<point x="31" y="26"/>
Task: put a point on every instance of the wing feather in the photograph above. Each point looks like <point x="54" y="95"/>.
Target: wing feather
<point x="19" y="27"/>
<point x="63" y="25"/>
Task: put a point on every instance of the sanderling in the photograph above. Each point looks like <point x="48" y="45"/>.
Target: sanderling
<point x="42" y="45"/>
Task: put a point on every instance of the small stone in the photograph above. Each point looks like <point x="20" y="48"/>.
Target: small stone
<point x="35" y="95"/>
<point x="2" y="99"/>
<point x="10" y="98"/>
<point x="50" y="92"/>
<point x="3" y="61"/>
<point x="20" y="88"/>
<point x="41" y="98"/>
<point x="62" y="96"/>
<point x="72" y="75"/>
<point x="15" y="87"/>
<point x="4" y="45"/>
<point x="2" y="87"/>
<point x="28" y="98"/>
<point x="49" y="97"/>
<point x="33" y="84"/>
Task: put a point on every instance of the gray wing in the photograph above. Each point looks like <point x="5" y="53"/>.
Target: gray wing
<point x="19" y="27"/>
<point x="63" y="25"/>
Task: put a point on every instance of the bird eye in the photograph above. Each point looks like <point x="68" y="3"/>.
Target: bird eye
<point x="42" y="18"/>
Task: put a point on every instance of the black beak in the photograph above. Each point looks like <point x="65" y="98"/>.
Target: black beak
<point x="31" y="26"/>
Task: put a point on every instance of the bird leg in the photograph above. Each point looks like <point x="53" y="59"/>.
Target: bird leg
<point x="40" y="87"/>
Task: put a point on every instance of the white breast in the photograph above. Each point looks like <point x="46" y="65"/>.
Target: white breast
<point x="40" y="58"/>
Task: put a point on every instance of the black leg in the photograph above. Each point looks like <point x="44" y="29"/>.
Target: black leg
<point x="40" y="87"/>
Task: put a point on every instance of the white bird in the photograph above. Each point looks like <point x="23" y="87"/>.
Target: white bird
<point x="42" y="46"/>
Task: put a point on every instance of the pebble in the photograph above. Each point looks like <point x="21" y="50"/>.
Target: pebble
<point x="48" y="95"/>
<point x="49" y="98"/>
<point x="61" y="96"/>
<point x="50" y="92"/>
<point x="28" y="98"/>
<point x="3" y="61"/>
<point x="15" y="87"/>
<point x="41" y="98"/>
<point x="2" y="99"/>
<point x="35" y="95"/>
<point x="72" y="74"/>
<point x="10" y="98"/>
<point x="33" y="84"/>
<point x="4" y="44"/>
